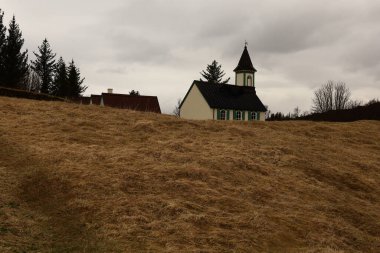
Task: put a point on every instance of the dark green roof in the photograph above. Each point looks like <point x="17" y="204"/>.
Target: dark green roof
<point x="227" y="96"/>
<point x="245" y="63"/>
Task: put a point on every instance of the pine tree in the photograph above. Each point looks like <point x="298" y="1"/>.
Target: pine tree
<point x="214" y="74"/>
<point x="60" y="83"/>
<point x="44" y="66"/>
<point x="15" y="61"/>
<point x="3" y="36"/>
<point x="74" y="81"/>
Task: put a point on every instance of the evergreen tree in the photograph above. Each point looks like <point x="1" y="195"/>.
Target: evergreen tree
<point x="60" y="83"/>
<point x="214" y="73"/>
<point x="44" y="66"/>
<point x="74" y="81"/>
<point x="134" y="93"/>
<point x="15" y="61"/>
<point x="3" y="36"/>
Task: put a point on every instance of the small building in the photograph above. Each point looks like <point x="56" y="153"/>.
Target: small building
<point x="124" y="101"/>
<point x="95" y="99"/>
<point x="238" y="101"/>
<point x="132" y="102"/>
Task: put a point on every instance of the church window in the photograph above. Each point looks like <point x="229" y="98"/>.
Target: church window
<point x="238" y="115"/>
<point x="222" y="115"/>
<point x="249" y="80"/>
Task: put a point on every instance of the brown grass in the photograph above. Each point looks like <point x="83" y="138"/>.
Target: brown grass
<point x="89" y="179"/>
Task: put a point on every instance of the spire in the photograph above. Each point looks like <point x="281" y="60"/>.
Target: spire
<point x="245" y="63"/>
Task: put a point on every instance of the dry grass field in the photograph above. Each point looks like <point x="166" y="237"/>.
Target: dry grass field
<point x="88" y="179"/>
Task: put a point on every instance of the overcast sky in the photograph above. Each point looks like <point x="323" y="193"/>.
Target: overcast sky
<point x="158" y="47"/>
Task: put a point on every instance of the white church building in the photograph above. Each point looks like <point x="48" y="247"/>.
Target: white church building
<point x="239" y="101"/>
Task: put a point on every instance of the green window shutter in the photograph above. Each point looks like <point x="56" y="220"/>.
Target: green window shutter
<point x="218" y="114"/>
<point x="258" y="115"/>
<point x="228" y="114"/>
<point x="243" y="115"/>
<point x="249" y="116"/>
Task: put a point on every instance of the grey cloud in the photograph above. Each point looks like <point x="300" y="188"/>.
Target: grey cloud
<point x="293" y="43"/>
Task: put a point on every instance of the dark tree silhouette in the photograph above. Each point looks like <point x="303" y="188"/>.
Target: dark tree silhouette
<point x="331" y="96"/>
<point x="15" y="61"/>
<point x="341" y="96"/>
<point x="60" y="87"/>
<point x="214" y="73"/>
<point x="3" y="37"/>
<point x="75" y="81"/>
<point x="134" y="93"/>
<point x="44" y="66"/>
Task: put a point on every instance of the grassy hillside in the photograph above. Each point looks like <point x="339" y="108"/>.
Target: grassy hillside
<point x="89" y="179"/>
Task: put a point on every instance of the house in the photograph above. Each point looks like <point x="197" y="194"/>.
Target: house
<point x="95" y="99"/>
<point x="237" y="101"/>
<point x="132" y="102"/>
<point x="122" y="101"/>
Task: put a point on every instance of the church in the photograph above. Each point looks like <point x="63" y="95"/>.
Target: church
<point x="239" y="101"/>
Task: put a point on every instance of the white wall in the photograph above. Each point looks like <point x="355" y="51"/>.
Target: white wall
<point x="240" y="78"/>
<point x="195" y="106"/>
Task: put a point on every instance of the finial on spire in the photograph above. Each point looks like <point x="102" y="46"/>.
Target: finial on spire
<point x="246" y="43"/>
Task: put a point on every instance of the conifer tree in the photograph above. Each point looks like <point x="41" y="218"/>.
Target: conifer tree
<point x="15" y="61"/>
<point x="75" y="81"/>
<point x="60" y="83"/>
<point x="3" y="35"/>
<point x="214" y="73"/>
<point x="44" y="66"/>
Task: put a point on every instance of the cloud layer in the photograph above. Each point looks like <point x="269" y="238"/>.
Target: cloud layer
<point x="159" y="46"/>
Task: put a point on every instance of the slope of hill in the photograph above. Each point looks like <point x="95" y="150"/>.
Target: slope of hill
<point x="89" y="179"/>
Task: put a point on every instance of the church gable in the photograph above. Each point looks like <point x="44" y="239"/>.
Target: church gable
<point x="195" y="106"/>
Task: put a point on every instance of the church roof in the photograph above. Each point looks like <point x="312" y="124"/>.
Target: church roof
<point x="228" y="96"/>
<point x="245" y="63"/>
<point x="132" y="102"/>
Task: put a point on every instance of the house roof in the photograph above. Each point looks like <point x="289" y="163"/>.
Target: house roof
<point x="95" y="99"/>
<point x="137" y="103"/>
<point x="245" y="63"/>
<point x="228" y="96"/>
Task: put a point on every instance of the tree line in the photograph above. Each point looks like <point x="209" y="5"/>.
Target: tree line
<point x="331" y="96"/>
<point x="44" y="74"/>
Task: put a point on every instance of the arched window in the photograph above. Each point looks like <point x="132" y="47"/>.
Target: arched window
<point x="249" y="81"/>
<point x="222" y="115"/>
<point x="238" y="115"/>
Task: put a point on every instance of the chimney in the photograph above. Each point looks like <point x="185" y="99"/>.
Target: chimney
<point x="110" y="91"/>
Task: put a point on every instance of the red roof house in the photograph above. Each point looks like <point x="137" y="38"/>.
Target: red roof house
<point x="95" y="99"/>
<point x="132" y="102"/>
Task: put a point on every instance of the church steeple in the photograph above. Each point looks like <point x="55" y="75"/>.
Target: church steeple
<point x="245" y="72"/>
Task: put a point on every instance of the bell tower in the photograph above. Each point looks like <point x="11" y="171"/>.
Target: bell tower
<point x="245" y="72"/>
